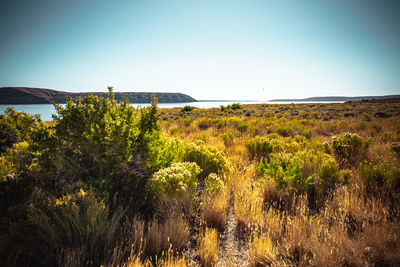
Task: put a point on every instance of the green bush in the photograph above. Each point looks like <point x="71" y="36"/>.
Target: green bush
<point x="285" y="130"/>
<point x="177" y="180"/>
<point x="8" y="135"/>
<point x="374" y="174"/>
<point x="228" y="137"/>
<point x="285" y="171"/>
<point x="287" y="145"/>
<point x="259" y="147"/>
<point x="5" y="167"/>
<point x="208" y="158"/>
<point x="103" y="143"/>
<point x="15" y="127"/>
<point x="349" y="149"/>
<point x="242" y="127"/>
<point x="187" y="108"/>
<point x="303" y="170"/>
<point x="233" y="106"/>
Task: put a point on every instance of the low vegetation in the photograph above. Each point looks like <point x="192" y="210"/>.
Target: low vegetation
<point x="248" y="185"/>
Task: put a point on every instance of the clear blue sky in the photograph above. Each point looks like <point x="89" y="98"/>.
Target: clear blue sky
<point x="208" y="49"/>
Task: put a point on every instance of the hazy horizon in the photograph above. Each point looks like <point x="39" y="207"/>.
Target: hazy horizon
<point x="225" y="50"/>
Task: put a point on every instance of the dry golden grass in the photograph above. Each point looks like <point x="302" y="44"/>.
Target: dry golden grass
<point x="208" y="247"/>
<point x="262" y="250"/>
<point x="215" y="210"/>
<point x="160" y="236"/>
<point x="171" y="260"/>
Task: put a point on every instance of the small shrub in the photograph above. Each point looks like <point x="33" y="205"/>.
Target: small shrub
<point x="233" y="106"/>
<point x="308" y="133"/>
<point x="285" y="131"/>
<point x="187" y="108"/>
<point x="202" y="137"/>
<point x="208" y="158"/>
<point x="208" y="247"/>
<point x="213" y="184"/>
<point x="205" y="123"/>
<point x="303" y="170"/>
<point x="242" y="127"/>
<point x="349" y="149"/>
<point x="174" y="181"/>
<point x="228" y="138"/>
<point x="374" y="175"/>
<point x="259" y="147"/>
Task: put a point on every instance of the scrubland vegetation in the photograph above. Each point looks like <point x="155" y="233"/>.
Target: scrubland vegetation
<point x="254" y="185"/>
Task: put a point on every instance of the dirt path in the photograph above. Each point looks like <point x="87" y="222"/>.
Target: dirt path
<point x="234" y="250"/>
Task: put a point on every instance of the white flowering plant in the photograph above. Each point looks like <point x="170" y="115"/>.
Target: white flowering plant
<point x="174" y="181"/>
<point x="213" y="183"/>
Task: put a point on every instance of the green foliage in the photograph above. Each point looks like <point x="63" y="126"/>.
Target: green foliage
<point x="5" y="167"/>
<point x="15" y="127"/>
<point x="202" y="137"/>
<point x="349" y="149"/>
<point x="168" y="151"/>
<point x="148" y="125"/>
<point x="163" y="153"/>
<point x="285" y="171"/>
<point x="259" y="147"/>
<point x="374" y="174"/>
<point x="175" y="181"/>
<point x="233" y="106"/>
<point x="187" y="108"/>
<point x="288" y="144"/>
<point x="228" y="137"/>
<point x="99" y="139"/>
<point x="284" y="130"/>
<point x="242" y="127"/>
<point x="213" y="184"/>
<point x="302" y="170"/>
<point x="8" y="135"/>
<point x="209" y="159"/>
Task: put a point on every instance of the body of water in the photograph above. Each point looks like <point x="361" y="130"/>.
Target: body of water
<point x="46" y="110"/>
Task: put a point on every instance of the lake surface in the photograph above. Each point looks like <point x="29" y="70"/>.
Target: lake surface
<point x="46" y="110"/>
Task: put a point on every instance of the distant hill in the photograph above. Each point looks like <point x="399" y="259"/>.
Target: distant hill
<point x="26" y="95"/>
<point x="338" y="98"/>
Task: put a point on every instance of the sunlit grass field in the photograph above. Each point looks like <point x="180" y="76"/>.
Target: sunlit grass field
<point x="242" y="185"/>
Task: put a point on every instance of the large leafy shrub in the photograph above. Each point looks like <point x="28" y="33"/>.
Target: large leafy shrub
<point x="102" y="143"/>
